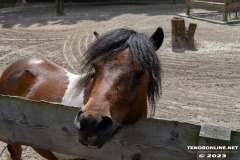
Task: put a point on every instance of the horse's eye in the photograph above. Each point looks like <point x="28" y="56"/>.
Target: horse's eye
<point x="94" y="66"/>
<point x="139" y="74"/>
<point x="92" y="76"/>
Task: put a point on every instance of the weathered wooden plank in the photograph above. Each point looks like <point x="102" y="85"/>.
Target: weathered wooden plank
<point x="215" y="132"/>
<point x="208" y="1"/>
<point x="224" y="6"/>
<point x="219" y="5"/>
<point x="207" y="5"/>
<point x="50" y="126"/>
<point x="219" y="1"/>
<point x="235" y="141"/>
<point x="214" y="136"/>
<point x="233" y="7"/>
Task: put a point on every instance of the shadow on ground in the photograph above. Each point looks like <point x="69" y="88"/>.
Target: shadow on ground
<point x="41" y="14"/>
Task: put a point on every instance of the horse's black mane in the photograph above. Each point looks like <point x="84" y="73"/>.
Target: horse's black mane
<point x="140" y="47"/>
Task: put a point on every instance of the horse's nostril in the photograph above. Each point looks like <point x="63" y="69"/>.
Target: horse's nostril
<point x="86" y="122"/>
<point x="105" y="124"/>
<point x="77" y="121"/>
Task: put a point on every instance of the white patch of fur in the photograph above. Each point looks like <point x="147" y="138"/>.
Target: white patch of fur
<point x="70" y="98"/>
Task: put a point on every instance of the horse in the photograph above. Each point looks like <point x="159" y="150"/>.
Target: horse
<point x="121" y="76"/>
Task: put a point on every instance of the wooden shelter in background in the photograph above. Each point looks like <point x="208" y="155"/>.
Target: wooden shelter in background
<point x="224" y="6"/>
<point x="50" y="126"/>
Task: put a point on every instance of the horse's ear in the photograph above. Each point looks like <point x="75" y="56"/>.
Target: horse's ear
<point x="157" y="38"/>
<point x="96" y="34"/>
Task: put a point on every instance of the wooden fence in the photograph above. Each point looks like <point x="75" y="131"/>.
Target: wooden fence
<point x="50" y="126"/>
<point x="225" y="6"/>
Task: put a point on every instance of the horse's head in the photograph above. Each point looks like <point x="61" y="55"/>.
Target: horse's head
<point x="123" y="74"/>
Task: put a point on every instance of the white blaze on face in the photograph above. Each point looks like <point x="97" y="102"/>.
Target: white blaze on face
<point x="70" y="97"/>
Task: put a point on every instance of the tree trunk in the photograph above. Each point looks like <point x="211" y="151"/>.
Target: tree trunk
<point x="178" y="32"/>
<point x="182" y="38"/>
<point x="190" y="36"/>
<point x="59" y="7"/>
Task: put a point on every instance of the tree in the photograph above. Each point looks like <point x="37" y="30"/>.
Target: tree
<point x="59" y="7"/>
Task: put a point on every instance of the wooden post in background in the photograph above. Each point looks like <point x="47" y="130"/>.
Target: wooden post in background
<point x="190" y="36"/>
<point x="182" y="37"/>
<point x="59" y="7"/>
<point x="178" y="32"/>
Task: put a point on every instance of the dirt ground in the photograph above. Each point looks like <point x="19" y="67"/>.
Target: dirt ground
<point x="200" y="86"/>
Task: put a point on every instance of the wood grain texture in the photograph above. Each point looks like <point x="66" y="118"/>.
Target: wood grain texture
<point x="235" y="141"/>
<point x="215" y="132"/>
<point x="50" y="126"/>
<point x="214" y="136"/>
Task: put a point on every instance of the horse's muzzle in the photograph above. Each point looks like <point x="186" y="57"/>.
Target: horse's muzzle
<point x="93" y="131"/>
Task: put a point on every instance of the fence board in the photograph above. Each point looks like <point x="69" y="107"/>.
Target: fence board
<point x="206" y="5"/>
<point x="50" y="126"/>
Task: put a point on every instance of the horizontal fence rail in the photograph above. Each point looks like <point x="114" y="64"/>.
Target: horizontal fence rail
<point x="50" y="126"/>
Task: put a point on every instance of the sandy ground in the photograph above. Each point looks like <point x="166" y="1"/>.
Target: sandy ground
<point x="201" y="86"/>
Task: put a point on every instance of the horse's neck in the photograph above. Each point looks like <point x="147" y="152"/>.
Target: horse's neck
<point x="71" y="98"/>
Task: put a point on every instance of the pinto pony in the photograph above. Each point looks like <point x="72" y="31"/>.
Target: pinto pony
<point x="122" y="74"/>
